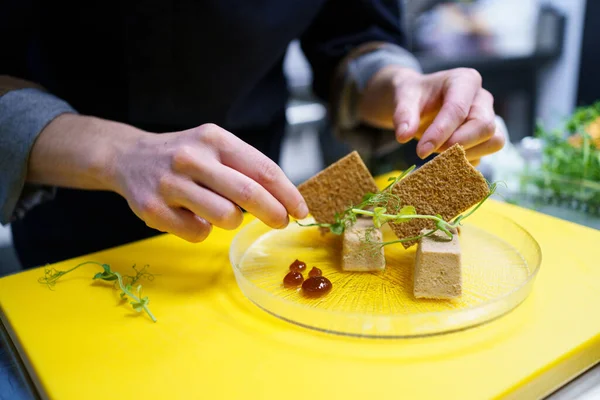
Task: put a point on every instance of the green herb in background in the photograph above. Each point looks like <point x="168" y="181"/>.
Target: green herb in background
<point x="570" y="168"/>
<point x="125" y="283"/>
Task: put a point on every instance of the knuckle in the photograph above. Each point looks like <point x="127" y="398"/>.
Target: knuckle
<point x="211" y="135"/>
<point x="166" y="184"/>
<point x="150" y="209"/>
<point x="460" y="110"/>
<point x="210" y="127"/>
<point x="497" y="141"/>
<point x="472" y="74"/>
<point x="488" y="95"/>
<point x="437" y="135"/>
<point x="206" y="129"/>
<point x="269" y="172"/>
<point x="183" y="157"/>
<point x="489" y="126"/>
<point x="248" y="192"/>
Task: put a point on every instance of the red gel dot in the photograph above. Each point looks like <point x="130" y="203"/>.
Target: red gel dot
<point x="298" y="266"/>
<point x="316" y="286"/>
<point x="293" y="279"/>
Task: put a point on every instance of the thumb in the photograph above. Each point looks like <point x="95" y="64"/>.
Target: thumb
<point x="407" y="112"/>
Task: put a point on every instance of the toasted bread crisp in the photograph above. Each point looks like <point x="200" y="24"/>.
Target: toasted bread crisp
<point x="337" y="187"/>
<point x="447" y="185"/>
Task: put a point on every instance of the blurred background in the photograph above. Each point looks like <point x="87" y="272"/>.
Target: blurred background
<point x="528" y="52"/>
<point x="537" y="57"/>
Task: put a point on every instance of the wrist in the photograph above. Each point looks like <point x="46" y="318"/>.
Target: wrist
<point x="119" y="142"/>
<point x="79" y="151"/>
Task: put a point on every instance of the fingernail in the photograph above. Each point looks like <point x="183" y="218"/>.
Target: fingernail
<point x="426" y="150"/>
<point x="285" y="224"/>
<point x="402" y="128"/>
<point x="301" y="211"/>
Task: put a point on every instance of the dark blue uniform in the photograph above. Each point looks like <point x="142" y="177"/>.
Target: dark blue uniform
<point x="167" y="66"/>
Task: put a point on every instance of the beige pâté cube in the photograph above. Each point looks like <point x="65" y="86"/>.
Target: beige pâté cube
<point x="355" y="257"/>
<point x="438" y="269"/>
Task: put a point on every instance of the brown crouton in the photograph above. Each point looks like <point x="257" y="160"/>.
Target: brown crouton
<point x="354" y="256"/>
<point x="447" y="185"/>
<point x="337" y="187"/>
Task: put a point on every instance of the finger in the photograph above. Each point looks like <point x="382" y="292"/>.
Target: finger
<point x="244" y="158"/>
<point x="201" y="167"/>
<point x="458" y="98"/>
<point x="180" y="222"/>
<point x="494" y="144"/>
<point x="476" y="162"/>
<point x="407" y="113"/>
<point x="203" y="202"/>
<point x="480" y="125"/>
<point x="243" y="191"/>
<point x="471" y="134"/>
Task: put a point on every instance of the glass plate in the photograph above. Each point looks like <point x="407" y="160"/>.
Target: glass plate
<point x="500" y="263"/>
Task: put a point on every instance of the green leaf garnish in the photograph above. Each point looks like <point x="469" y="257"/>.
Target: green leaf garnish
<point x="337" y="228"/>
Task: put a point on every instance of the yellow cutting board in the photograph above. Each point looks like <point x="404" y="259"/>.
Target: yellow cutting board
<point x="80" y="342"/>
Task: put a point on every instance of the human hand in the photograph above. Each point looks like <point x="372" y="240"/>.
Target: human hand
<point x="185" y="182"/>
<point x="439" y="109"/>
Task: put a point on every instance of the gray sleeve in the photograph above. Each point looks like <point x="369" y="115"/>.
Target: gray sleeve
<point x="347" y="127"/>
<point x="23" y="115"/>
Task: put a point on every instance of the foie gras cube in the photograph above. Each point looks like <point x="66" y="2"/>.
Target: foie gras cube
<point x="355" y="255"/>
<point x="438" y="270"/>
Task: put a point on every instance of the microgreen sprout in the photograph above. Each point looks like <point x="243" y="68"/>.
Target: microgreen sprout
<point x="385" y="207"/>
<point x="125" y="283"/>
<point x="569" y="170"/>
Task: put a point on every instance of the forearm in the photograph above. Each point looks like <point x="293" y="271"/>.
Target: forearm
<point x="79" y="152"/>
<point x="44" y="144"/>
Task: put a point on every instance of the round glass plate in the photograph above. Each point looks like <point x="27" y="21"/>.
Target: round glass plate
<point x="500" y="261"/>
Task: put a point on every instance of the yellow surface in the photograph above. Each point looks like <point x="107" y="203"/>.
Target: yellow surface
<point x="211" y="342"/>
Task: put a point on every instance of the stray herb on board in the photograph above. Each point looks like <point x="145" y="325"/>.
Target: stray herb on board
<point x="125" y="283"/>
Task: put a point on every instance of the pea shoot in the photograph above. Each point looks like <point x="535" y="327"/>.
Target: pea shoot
<point x="125" y="283"/>
<point x="385" y="207"/>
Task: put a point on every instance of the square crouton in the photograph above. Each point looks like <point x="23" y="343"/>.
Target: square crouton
<point x="447" y="185"/>
<point x="337" y="187"/>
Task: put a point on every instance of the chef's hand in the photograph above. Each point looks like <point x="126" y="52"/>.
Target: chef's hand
<point x="180" y="182"/>
<point x="184" y="182"/>
<point x="439" y="109"/>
